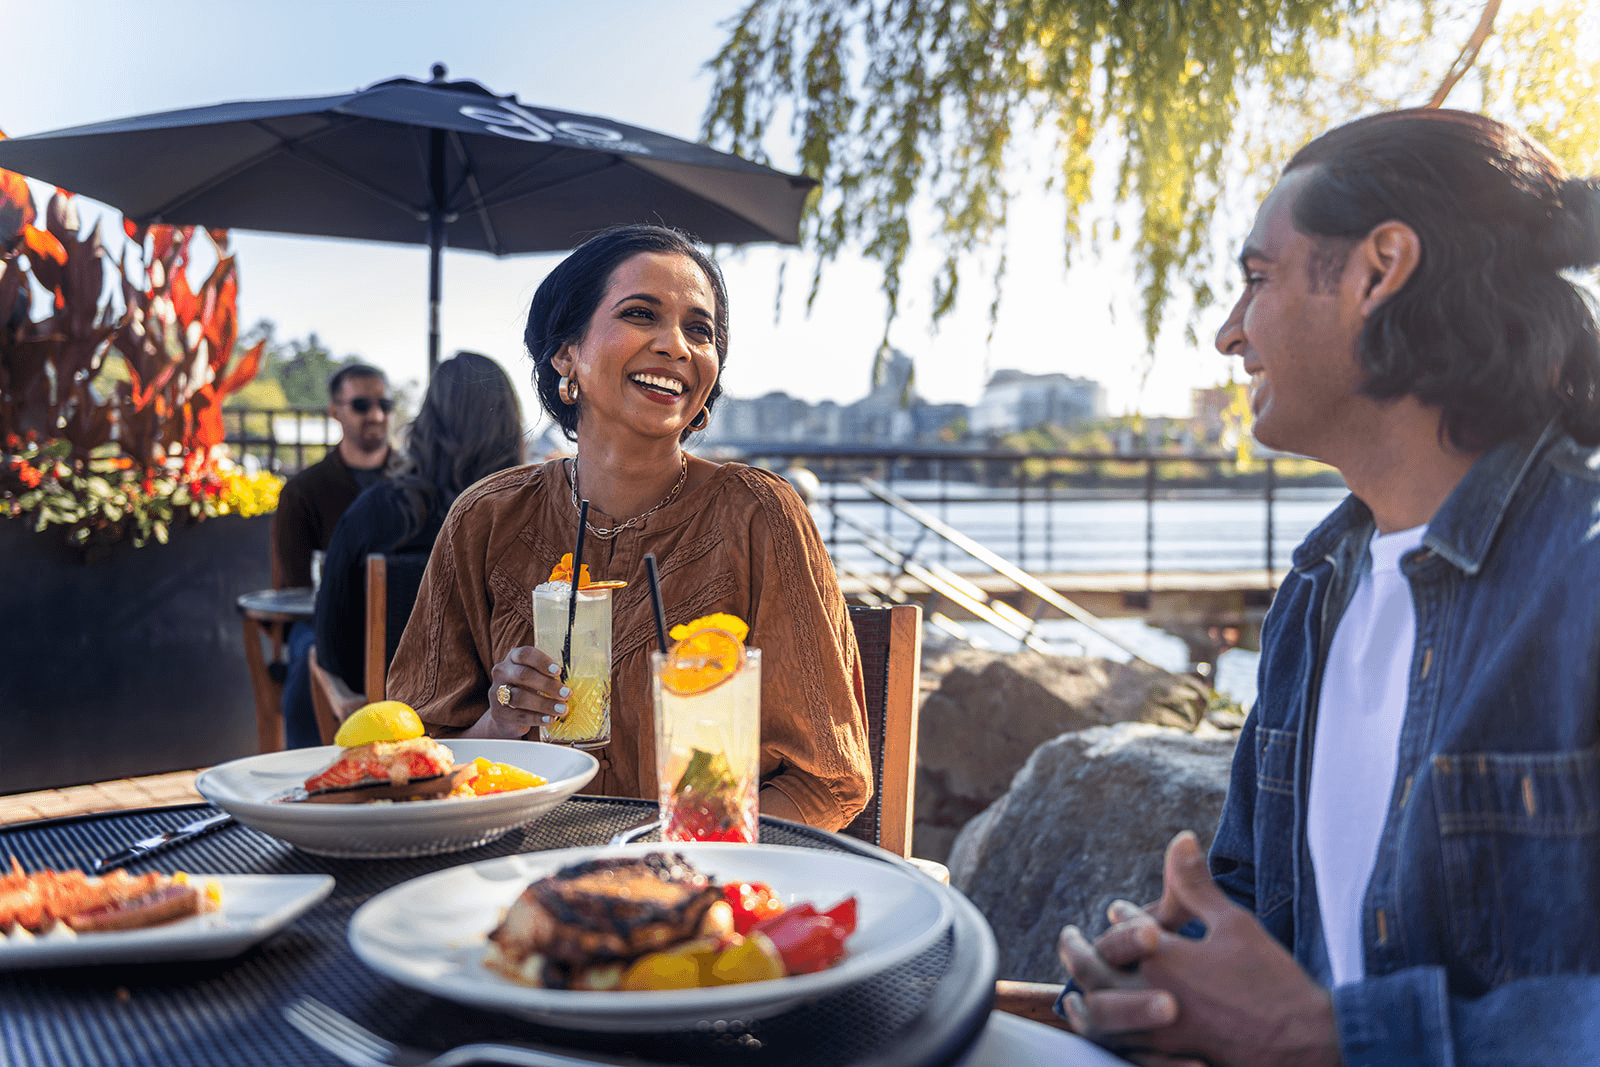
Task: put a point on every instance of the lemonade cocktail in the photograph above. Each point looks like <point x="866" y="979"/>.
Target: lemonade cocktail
<point x="708" y="738"/>
<point x="587" y="723"/>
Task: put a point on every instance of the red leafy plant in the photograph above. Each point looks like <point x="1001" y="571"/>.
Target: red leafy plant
<point x="111" y="402"/>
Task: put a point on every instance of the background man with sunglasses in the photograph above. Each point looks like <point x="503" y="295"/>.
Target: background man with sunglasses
<point x="309" y="508"/>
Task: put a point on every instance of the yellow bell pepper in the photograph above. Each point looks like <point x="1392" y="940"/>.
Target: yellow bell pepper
<point x="754" y="960"/>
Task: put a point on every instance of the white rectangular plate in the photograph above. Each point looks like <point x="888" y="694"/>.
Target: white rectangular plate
<point x="254" y="906"/>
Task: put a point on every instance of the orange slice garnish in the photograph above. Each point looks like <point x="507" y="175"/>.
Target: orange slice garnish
<point x="701" y="662"/>
<point x="610" y="584"/>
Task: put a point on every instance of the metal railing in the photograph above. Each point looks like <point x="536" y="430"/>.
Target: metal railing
<point x="1020" y="504"/>
<point x="284" y="440"/>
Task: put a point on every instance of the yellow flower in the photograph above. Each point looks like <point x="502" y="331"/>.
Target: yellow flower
<point x="720" y="621"/>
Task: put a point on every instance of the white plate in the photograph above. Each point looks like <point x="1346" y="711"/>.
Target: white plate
<point x="244" y="788"/>
<point x="429" y="933"/>
<point x="253" y="906"/>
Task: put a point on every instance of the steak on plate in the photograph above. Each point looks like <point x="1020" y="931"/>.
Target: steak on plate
<point x="602" y="912"/>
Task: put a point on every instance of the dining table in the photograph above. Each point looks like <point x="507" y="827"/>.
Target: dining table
<point x="931" y="1009"/>
<point x="267" y="615"/>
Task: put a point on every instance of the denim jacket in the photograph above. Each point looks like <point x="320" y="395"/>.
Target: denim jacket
<point x="1481" y="924"/>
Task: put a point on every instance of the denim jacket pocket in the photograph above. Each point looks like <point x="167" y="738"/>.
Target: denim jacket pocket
<point x="1521" y="827"/>
<point x="1275" y="763"/>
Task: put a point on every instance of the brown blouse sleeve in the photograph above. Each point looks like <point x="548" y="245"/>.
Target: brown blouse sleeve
<point x="813" y="717"/>
<point x="441" y="667"/>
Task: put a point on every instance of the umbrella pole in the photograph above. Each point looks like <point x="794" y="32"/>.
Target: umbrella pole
<point x="435" y="255"/>
<point x="436" y="190"/>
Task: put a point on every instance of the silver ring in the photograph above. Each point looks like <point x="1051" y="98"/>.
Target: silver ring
<point x="503" y="694"/>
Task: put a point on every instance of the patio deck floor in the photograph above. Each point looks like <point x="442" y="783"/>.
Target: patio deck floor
<point x="158" y="790"/>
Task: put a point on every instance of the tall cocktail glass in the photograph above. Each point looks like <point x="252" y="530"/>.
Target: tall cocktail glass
<point x="708" y="751"/>
<point x="587" y="723"/>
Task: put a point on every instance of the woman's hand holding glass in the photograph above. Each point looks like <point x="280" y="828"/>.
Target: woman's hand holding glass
<point x="531" y="683"/>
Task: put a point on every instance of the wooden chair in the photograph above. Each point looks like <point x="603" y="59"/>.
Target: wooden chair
<point x="890" y="639"/>
<point x="392" y="584"/>
<point x="891" y="656"/>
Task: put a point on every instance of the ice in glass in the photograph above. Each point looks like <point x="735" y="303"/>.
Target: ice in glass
<point x="588" y="720"/>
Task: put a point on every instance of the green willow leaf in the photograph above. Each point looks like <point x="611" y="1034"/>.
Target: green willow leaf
<point x="902" y="105"/>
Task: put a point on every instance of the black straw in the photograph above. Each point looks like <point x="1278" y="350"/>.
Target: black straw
<point x="655" y="600"/>
<point x="572" y="598"/>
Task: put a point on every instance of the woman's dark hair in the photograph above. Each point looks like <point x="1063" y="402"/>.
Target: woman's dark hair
<point x="566" y="299"/>
<point x="1487" y="329"/>
<point x="469" y="427"/>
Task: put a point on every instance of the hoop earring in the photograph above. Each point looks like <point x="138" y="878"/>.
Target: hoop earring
<point x="701" y="421"/>
<point x="567" y="390"/>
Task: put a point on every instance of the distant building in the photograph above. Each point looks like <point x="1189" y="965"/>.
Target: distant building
<point x="1210" y="409"/>
<point x="890" y="414"/>
<point x="1013" y="401"/>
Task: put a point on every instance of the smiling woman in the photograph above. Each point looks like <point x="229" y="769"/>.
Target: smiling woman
<point x="628" y="337"/>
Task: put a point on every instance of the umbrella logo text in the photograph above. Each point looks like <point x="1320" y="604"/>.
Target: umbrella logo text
<point x="512" y="120"/>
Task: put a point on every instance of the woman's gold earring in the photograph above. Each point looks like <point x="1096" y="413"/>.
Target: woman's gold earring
<point x="701" y="421"/>
<point x="567" y="390"/>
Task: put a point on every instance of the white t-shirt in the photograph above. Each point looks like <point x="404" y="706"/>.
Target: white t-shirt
<point x="1363" y="703"/>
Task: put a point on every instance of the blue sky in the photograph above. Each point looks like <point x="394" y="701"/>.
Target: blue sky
<point x="639" y="61"/>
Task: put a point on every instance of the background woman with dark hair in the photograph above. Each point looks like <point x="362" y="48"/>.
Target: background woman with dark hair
<point x="628" y="336"/>
<point x="470" y="426"/>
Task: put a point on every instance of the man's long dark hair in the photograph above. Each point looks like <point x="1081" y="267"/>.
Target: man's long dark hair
<point x="469" y="427"/>
<point x="565" y="302"/>
<point x="1487" y="329"/>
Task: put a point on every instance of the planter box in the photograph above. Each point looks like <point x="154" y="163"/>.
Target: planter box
<point x="130" y="665"/>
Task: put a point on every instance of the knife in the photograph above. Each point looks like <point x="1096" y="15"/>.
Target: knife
<point x="142" y="848"/>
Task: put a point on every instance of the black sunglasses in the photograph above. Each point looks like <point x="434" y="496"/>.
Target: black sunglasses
<point x="363" y="404"/>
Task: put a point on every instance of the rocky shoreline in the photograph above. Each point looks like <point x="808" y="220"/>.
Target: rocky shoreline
<point x="1050" y="786"/>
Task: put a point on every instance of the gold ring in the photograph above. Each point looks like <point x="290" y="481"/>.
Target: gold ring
<point x="503" y="694"/>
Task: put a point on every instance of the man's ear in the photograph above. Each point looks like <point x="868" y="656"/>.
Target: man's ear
<point x="1388" y="257"/>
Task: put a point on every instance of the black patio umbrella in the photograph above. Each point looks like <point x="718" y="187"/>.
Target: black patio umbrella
<point x="437" y="163"/>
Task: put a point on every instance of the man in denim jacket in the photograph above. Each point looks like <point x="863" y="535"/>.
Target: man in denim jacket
<point x="1408" y="864"/>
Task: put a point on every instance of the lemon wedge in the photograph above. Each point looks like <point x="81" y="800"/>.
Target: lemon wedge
<point x="387" y="720"/>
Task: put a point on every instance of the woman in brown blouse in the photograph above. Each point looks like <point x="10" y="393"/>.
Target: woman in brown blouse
<point x="628" y="336"/>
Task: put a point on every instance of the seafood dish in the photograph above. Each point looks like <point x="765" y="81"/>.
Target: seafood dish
<point x="655" y="922"/>
<point x="413" y="769"/>
<point x="386" y="756"/>
<point x="66" y="903"/>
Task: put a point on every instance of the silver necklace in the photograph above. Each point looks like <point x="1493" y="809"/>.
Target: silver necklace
<point x="608" y="534"/>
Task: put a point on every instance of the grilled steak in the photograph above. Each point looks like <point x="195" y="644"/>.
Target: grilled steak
<point x="584" y="919"/>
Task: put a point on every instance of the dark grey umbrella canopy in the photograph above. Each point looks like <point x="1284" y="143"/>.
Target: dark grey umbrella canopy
<point x="516" y="178"/>
<point x="438" y="163"/>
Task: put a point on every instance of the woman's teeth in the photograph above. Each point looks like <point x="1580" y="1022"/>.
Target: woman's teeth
<point x="670" y="386"/>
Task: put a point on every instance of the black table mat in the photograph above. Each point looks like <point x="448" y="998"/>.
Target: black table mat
<point x="925" y="1011"/>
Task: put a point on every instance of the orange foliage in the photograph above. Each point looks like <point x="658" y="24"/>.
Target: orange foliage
<point x="178" y="375"/>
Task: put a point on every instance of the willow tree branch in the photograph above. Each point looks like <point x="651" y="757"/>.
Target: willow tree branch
<point x="1469" y="53"/>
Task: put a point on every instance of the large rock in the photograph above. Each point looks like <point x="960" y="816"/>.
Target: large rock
<point x="1086" y="821"/>
<point x="991" y="711"/>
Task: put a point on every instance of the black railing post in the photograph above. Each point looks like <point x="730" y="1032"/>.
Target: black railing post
<point x="831" y="465"/>
<point x="1149" y="524"/>
<point x="943" y="477"/>
<point x="1022" y="516"/>
<point x="1049" y="523"/>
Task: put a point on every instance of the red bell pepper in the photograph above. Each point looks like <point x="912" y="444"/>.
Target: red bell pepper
<point x="806" y="940"/>
<point x="752" y="903"/>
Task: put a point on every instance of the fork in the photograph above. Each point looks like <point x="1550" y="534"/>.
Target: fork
<point x="362" y="1048"/>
